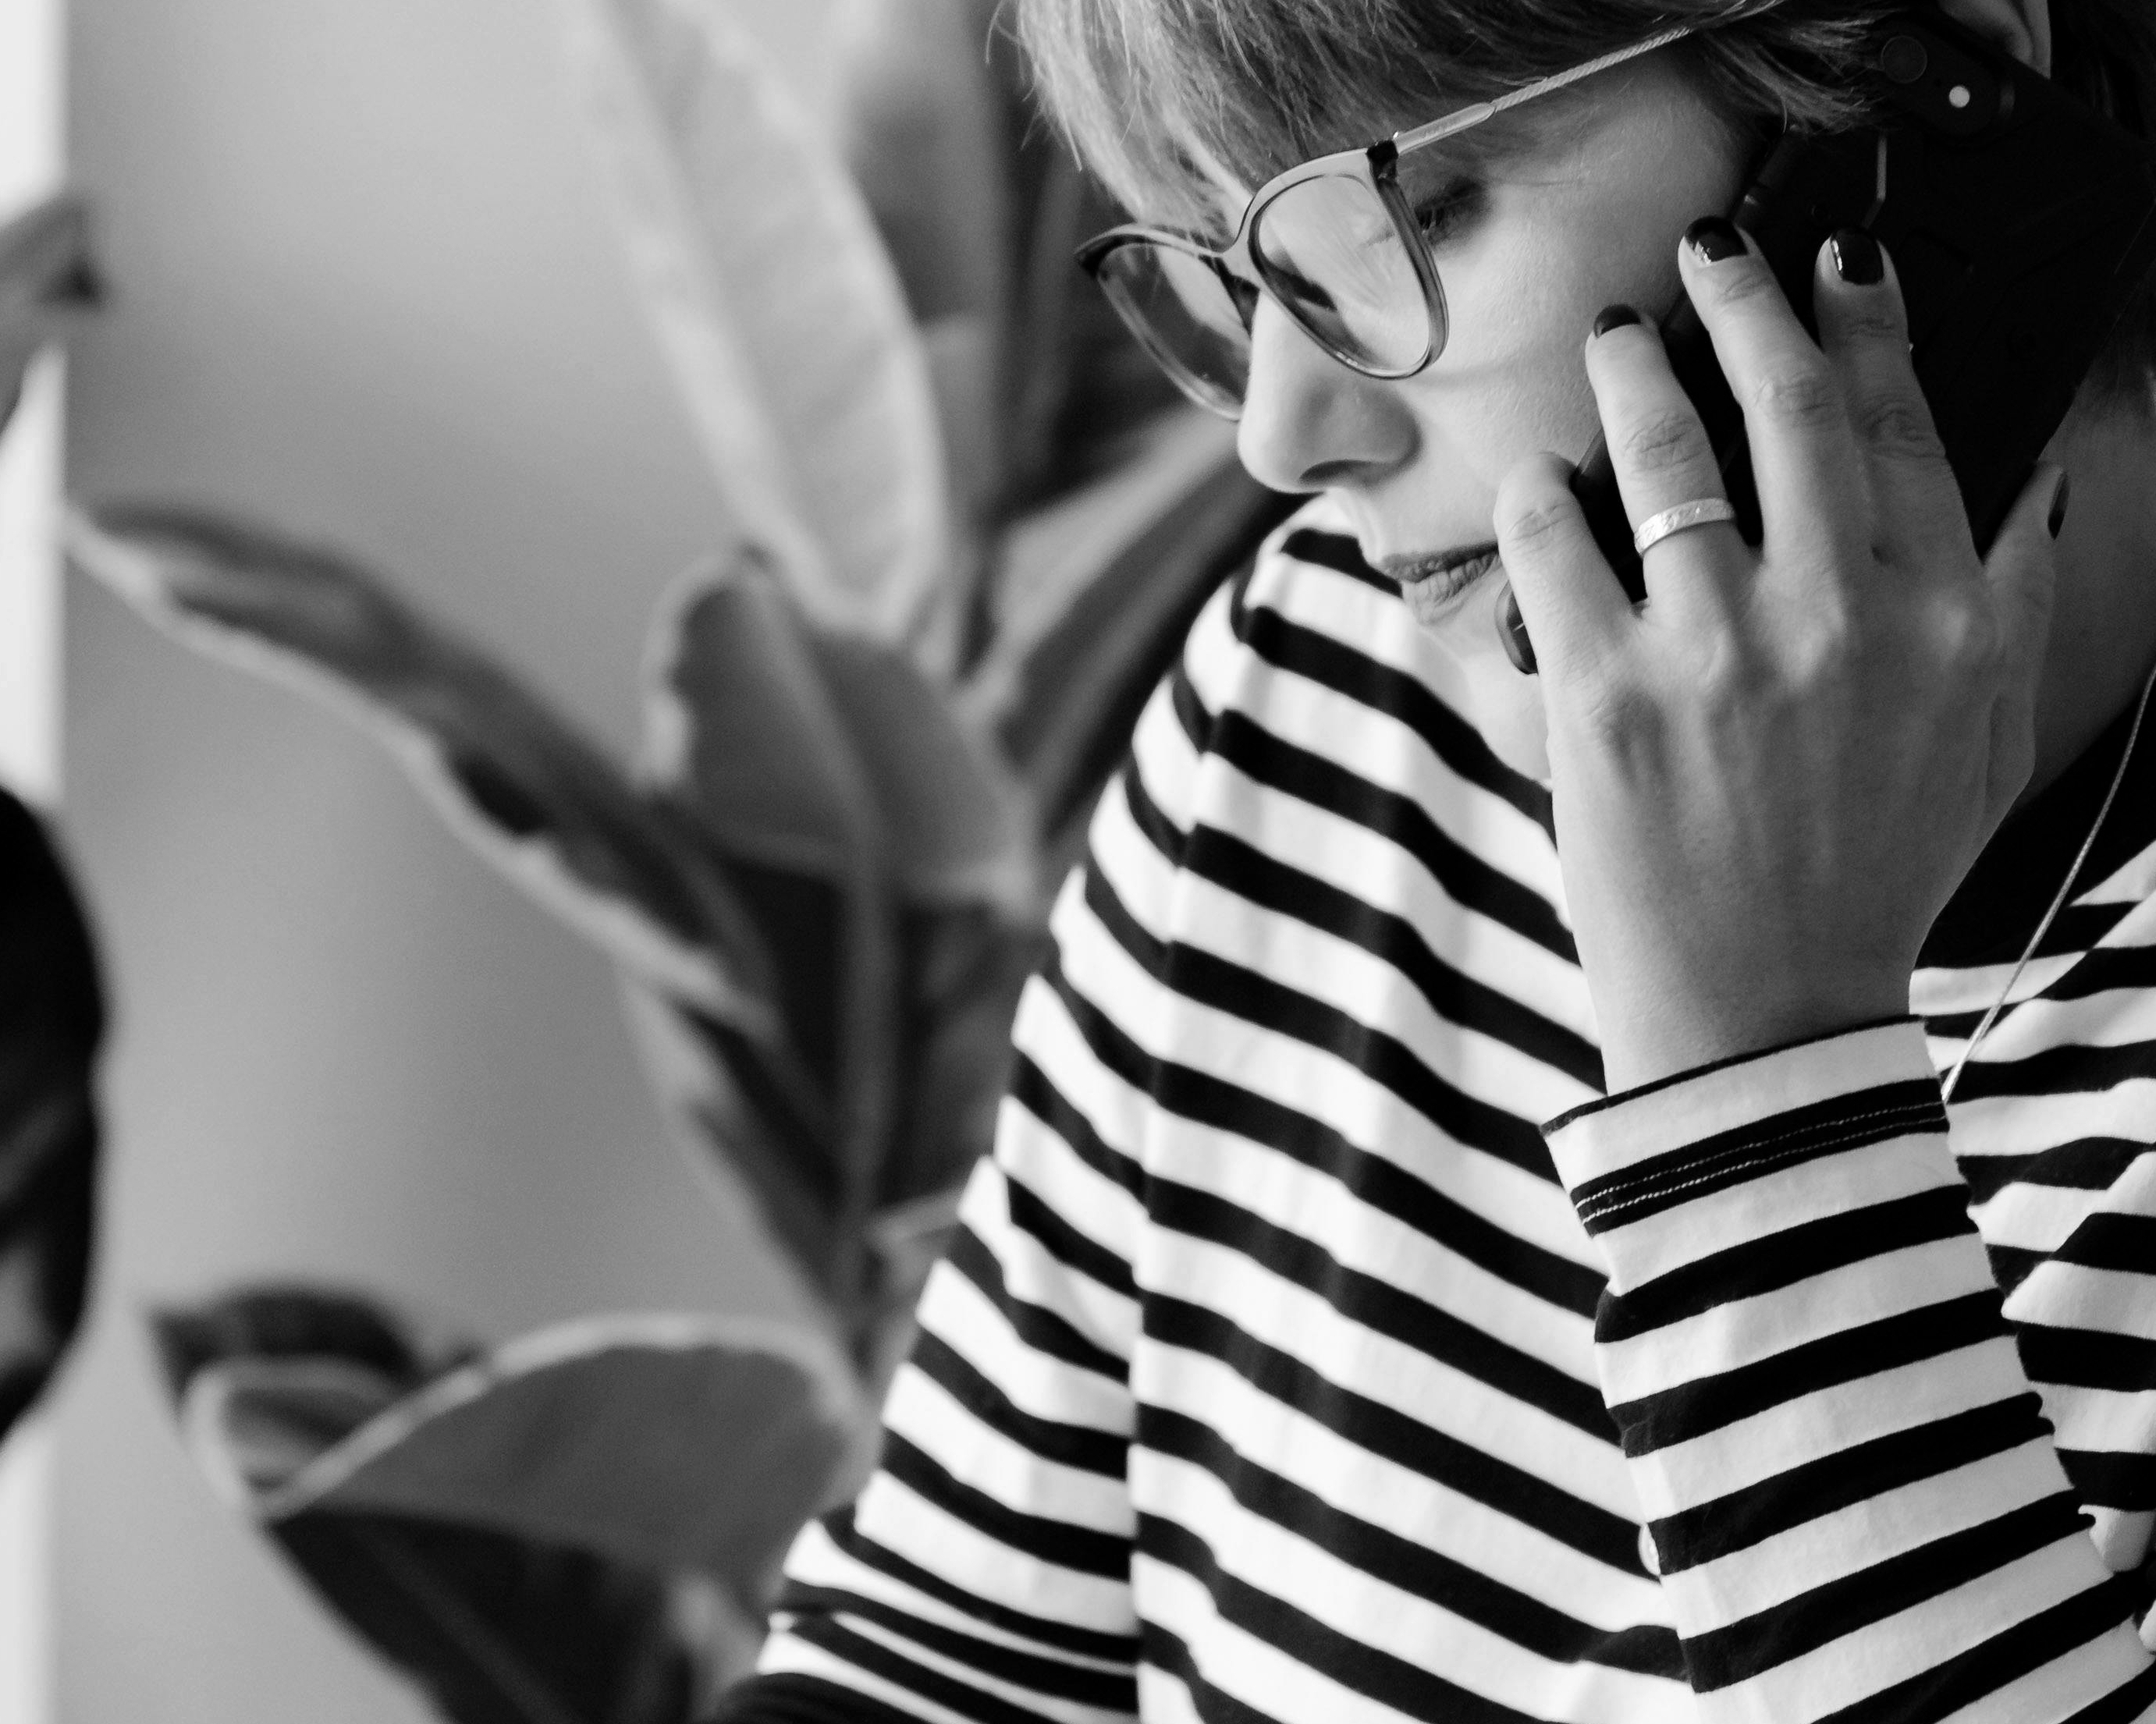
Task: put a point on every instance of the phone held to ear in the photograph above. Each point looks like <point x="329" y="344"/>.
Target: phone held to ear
<point x="2020" y="222"/>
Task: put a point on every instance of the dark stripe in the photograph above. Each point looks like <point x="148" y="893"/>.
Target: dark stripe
<point x="1338" y="552"/>
<point x="1781" y="1259"/>
<point x="1031" y="1089"/>
<point x="1057" y="1542"/>
<point x="2110" y="1241"/>
<point x="1087" y="1642"/>
<point x="1398" y="1561"/>
<point x="2086" y="1164"/>
<point x="1740" y="1650"/>
<point x="1386" y="1432"/>
<point x="1382" y="1306"/>
<point x="1162" y="834"/>
<point x="1932" y="1332"/>
<point x="2076" y="1069"/>
<point x="1079" y="1446"/>
<point x="1742" y="1518"/>
<point x="1038" y="1327"/>
<point x="1030" y="1213"/>
<point x="1354" y="1664"/>
<point x="2107" y="969"/>
<point x="2029" y="1644"/>
<point x="1166" y="1653"/>
<point x="1466" y="878"/>
<point x="2102" y="1479"/>
<point x="1256" y="878"/>
<point x="992" y="1658"/>
<point x="2087" y="1358"/>
<point x="1384" y="1185"/>
<point x="1334" y="664"/>
<point x="1257" y="999"/>
<point x="1727" y="1158"/>
<point x="875" y="1658"/>
<point x="789" y="1697"/>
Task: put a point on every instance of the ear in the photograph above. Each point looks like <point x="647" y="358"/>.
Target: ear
<point x="2023" y="27"/>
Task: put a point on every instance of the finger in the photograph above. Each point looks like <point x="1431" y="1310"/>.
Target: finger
<point x="1864" y="330"/>
<point x="1804" y="452"/>
<point x="1576" y="612"/>
<point x="1663" y="458"/>
<point x="2021" y="573"/>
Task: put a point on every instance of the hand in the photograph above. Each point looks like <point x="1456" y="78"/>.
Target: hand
<point x="1769" y="778"/>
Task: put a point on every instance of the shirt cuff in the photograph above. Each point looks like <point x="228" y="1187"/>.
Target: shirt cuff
<point x="1750" y="1147"/>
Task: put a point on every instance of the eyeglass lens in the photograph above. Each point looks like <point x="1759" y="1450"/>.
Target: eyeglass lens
<point x="1330" y="248"/>
<point x="1182" y="307"/>
<point x="1330" y="251"/>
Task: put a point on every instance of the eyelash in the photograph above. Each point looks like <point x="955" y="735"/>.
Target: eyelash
<point x="1440" y="217"/>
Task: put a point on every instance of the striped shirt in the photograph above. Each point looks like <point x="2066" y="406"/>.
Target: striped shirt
<point x="1320" y="1345"/>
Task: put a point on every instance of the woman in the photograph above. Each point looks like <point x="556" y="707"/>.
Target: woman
<point x="1322" y="1343"/>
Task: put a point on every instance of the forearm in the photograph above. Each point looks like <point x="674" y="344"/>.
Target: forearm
<point x="1854" y="1498"/>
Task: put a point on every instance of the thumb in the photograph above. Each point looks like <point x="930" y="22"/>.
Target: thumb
<point x="1574" y="608"/>
<point x="2020" y="571"/>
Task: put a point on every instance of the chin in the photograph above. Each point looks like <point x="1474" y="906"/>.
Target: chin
<point x="1506" y="706"/>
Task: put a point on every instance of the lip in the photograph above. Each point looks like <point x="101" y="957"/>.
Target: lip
<point x="1434" y="583"/>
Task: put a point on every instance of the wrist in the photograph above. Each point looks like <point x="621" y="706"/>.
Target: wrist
<point x="1647" y="1039"/>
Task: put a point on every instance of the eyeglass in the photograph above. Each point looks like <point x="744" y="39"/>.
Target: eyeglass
<point x="1335" y="243"/>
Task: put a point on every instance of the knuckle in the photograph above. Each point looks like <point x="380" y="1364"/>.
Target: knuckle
<point x="1896" y="425"/>
<point x="1665" y="441"/>
<point x="1741" y="283"/>
<point x="1876" y="323"/>
<point x="1536" y="524"/>
<point x="1801" y="396"/>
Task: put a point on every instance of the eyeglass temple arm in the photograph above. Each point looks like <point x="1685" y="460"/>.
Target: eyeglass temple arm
<point x="1464" y="119"/>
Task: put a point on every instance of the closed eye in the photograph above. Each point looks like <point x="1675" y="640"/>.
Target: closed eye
<point x="1449" y="211"/>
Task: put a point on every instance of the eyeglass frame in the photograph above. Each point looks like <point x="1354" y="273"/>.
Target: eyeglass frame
<point x="1378" y="167"/>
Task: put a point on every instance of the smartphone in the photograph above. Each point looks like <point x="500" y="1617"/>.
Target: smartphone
<point x="2020" y="222"/>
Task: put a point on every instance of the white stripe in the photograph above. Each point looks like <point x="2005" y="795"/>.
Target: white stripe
<point x="1303" y="1324"/>
<point x="1031" y="1701"/>
<point x="955" y="1310"/>
<point x="786" y="1654"/>
<point x="923" y="1411"/>
<point x="1827" y="1185"/>
<point x="1912" y="1641"/>
<point x="1324" y="1087"/>
<point x="1410" y="1505"/>
<point x="1312" y="1581"/>
<point x="816" y="1561"/>
<point x="902" y="1521"/>
<point x="1647" y="1124"/>
<point x="1827" y="1548"/>
<point x="1745" y="1331"/>
<point x="1316" y="1207"/>
<point x="1033" y="1273"/>
<point x="2103" y="1301"/>
<point x="1750" y="1451"/>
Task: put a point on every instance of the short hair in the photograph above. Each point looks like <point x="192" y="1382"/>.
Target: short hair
<point x="1146" y="90"/>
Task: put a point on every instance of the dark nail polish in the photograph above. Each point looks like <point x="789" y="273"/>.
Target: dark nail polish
<point x="1857" y="258"/>
<point x="2060" y="499"/>
<point x="1615" y="317"/>
<point x="1714" y="240"/>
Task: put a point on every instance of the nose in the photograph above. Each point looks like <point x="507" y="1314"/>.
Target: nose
<point x="1309" y="422"/>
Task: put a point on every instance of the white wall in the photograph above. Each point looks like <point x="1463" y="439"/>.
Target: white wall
<point x="366" y="286"/>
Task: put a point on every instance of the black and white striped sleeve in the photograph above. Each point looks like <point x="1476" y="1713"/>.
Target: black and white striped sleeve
<point x="1856" y="1504"/>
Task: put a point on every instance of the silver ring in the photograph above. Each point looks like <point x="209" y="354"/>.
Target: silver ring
<point x="1655" y="528"/>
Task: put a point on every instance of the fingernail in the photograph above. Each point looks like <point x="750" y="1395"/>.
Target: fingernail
<point x="1857" y="258"/>
<point x="1714" y="240"/>
<point x="2060" y="499"/>
<point x="1614" y="317"/>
